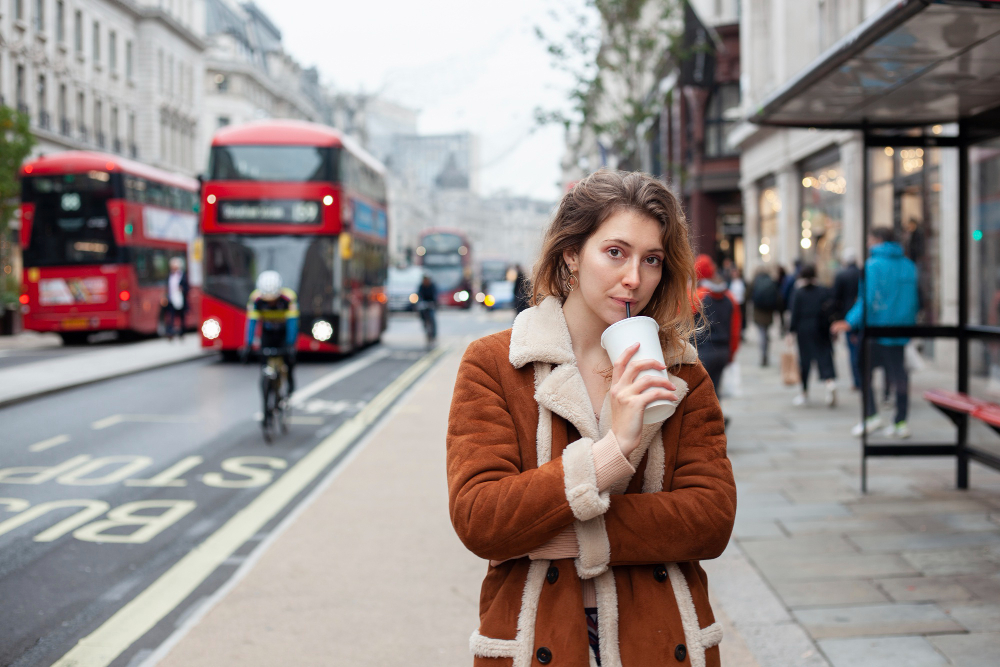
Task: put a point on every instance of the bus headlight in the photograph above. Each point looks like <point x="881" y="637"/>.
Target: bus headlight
<point x="462" y="296"/>
<point x="322" y="330"/>
<point x="414" y="298"/>
<point x="480" y="297"/>
<point x="211" y="328"/>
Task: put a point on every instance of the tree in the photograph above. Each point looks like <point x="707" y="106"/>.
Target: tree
<point x="16" y="142"/>
<point x="616" y="51"/>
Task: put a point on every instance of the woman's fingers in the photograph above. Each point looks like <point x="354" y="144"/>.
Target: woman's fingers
<point x="637" y="366"/>
<point x="652" y="381"/>
<point x="622" y="362"/>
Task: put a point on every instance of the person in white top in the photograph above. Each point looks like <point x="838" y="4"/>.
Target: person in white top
<point x="177" y="298"/>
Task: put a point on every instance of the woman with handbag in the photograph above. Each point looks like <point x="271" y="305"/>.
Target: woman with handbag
<point x="594" y="522"/>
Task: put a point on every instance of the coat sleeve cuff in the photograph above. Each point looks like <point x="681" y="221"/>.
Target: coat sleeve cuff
<point x="609" y="462"/>
<point x="563" y="545"/>
<point x="594" y="547"/>
<point x="580" y="476"/>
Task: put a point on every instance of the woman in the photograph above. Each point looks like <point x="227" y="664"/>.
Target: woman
<point x="766" y="299"/>
<point x="593" y="522"/>
<point x="813" y="311"/>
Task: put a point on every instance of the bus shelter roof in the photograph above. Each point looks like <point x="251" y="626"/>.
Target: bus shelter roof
<point x="913" y="63"/>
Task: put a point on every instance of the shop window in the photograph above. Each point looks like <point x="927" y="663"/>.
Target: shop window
<point x="822" y="212"/>
<point x="768" y="207"/>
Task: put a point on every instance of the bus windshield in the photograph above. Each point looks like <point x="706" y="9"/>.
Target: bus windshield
<point x="283" y="164"/>
<point x="305" y="263"/>
<point x="70" y="223"/>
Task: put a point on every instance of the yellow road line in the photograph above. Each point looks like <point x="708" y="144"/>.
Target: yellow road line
<point x="48" y="444"/>
<point x="139" y="616"/>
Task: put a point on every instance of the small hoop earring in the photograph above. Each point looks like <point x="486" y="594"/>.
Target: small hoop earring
<point x="571" y="282"/>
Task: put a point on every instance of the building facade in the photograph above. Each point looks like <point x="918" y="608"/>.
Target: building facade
<point x="110" y="75"/>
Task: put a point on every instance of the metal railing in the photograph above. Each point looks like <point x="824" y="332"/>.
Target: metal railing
<point x="64" y="126"/>
<point x="101" y="142"/>
<point x="43" y="120"/>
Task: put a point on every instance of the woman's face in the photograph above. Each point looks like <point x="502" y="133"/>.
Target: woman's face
<point x="620" y="263"/>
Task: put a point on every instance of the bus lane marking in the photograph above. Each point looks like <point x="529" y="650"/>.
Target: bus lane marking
<point x="132" y="621"/>
<point x="313" y="388"/>
<point x="49" y="444"/>
<point x="146" y="419"/>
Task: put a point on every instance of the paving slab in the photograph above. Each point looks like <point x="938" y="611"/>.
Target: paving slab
<point x="942" y="523"/>
<point x="882" y="652"/>
<point x="793" y="547"/>
<point x="798" y="594"/>
<point x="844" y="526"/>
<point x="917" y="541"/>
<point x="972" y="650"/>
<point x="875" y="620"/>
<point x="979" y="560"/>
<point x="924" y="589"/>
<point x="977" y="617"/>
<point x="846" y="566"/>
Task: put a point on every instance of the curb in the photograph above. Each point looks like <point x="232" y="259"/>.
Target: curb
<point x="5" y="402"/>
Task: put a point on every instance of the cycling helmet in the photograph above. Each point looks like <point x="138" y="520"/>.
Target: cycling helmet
<point x="269" y="284"/>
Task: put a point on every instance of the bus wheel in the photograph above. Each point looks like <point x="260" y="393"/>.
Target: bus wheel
<point x="74" y="337"/>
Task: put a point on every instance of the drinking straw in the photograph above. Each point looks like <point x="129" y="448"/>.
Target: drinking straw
<point x="628" y="311"/>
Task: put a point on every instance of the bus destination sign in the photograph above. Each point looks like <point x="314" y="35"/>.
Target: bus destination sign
<point x="286" y="211"/>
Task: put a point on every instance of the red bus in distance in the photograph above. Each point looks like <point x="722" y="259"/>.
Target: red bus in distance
<point x="98" y="232"/>
<point x="446" y="255"/>
<point x="303" y="200"/>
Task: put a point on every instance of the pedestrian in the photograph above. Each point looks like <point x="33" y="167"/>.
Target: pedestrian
<point x="738" y="289"/>
<point x="718" y="342"/>
<point x="766" y="300"/>
<point x="522" y="290"/>
<point x="812" y="313"/>
<point x="889" y="295"/>
<point x="780" y="280"/>
<point x="787" y="285"/>
<point x="177" y="299"/>
<point x="590" y="561"/>
<point x="845" y="293"/>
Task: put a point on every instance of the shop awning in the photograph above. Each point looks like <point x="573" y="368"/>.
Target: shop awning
<point x="915" y="62"/>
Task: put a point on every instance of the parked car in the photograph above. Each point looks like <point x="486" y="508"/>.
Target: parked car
<point x="401" y="287"/>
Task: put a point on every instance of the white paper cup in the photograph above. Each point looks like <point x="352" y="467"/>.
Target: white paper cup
<point x="645" y="331"/>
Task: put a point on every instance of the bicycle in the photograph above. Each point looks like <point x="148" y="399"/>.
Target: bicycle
<point x="274" y="389"/>
<point x="426" y="311"/>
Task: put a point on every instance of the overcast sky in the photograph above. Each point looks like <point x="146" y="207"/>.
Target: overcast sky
<point x="466" y="66"/>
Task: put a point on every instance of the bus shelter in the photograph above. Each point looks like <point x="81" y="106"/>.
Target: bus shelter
<point x="920" y="81"/>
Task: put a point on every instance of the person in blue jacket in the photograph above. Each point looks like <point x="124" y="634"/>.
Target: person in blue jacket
<point x="888" y="295"/>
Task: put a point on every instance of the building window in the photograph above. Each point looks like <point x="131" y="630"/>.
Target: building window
<point x="128" y="59"/>
<point x="78" y="31"/>
<point x="99" y="123"/>
<point x="22" y="102"/>
<point x="39" y="15"/>
<point x="132" y="150"/>
<point x="63" y="112"/>
<point x="60" y="21"/>
<point x="43" y="113"/>
<point x="721" y="115"/>
<point x="19" y="10"/>
<point x="159" y="80"/>
<point x="113" y="51"/>
<point x="223" y="121"/>
<point x="97" y="43"/>
<point x="81" y="110"/>
<point x="116" y="143"/>
<point x="221" y="83"/>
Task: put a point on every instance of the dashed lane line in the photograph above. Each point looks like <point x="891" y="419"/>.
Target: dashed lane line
<point x="49" y="444"/>
<point x="135" y="619"/>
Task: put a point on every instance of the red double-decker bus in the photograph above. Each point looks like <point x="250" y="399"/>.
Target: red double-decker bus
<point x="97" y="233"/>
<point x="305" y="201"/>
<point x="446" y="256"/>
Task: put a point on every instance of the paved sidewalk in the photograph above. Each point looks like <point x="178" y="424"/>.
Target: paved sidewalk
<point x="30" y="340"/>
<point x="26" y="381"/>
<point x="908" y="574"/>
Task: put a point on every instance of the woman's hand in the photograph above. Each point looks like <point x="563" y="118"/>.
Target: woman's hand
<point x="629" y="397"/>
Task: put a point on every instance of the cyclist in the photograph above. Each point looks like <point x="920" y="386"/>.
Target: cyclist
<point x="426" y="302"/>
<point x="278" y="311"/>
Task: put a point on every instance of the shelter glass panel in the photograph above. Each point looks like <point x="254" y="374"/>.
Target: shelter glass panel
<point x="905" y="195"/>
<point x="821" y="216"/>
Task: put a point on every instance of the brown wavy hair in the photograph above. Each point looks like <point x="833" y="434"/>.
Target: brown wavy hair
<point x="592" y="201"/>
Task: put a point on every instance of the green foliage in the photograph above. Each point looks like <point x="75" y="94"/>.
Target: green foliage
<point x="616" y="51"/>
<point x="16" y="142"/>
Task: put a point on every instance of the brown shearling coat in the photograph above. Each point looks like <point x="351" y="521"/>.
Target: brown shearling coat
<point x="516" y="481"/>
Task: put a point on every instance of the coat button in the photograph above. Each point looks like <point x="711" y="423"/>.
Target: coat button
<point x="552" y="575"/>
<point x="544" y="655"/>
<point x="661" y="574"/>
<point x="680" y="652"/>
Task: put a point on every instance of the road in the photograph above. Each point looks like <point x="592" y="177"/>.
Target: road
<point x="105" y="488"/>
